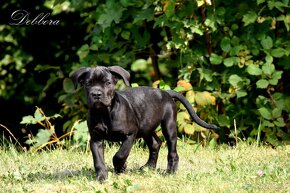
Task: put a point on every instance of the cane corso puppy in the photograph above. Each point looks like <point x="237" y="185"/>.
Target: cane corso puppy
<point x="127" y="115"/>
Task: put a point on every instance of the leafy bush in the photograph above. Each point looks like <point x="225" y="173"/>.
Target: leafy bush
<point x="238" y="51"/>
<point x="233" y="53"/>
<point x="77" y="137"/>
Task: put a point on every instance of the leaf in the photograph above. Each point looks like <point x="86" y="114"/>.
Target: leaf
<point x="38" y="115"/>
<point x="278" y="5"/>
<point x="68" y="85"/>
<point x="179" y="89"/>
<point x="190" y="96"/>
<point x="204" y="98"/>
<point x="41" y="67"/>
<point x="228" y="62"/>
<point x="241" y="93"/>
<point x="200" y="2"/>
<point x="83" y="51"/>
<point x="211" y="22"/>
<point x="125" y="35"/>
<point x="268" y="69"/>
<point x="53" y="78"/>
<point x="169" y="7"/>
<point x="197" y="29"/>
<point x="249" y="18"/>
<point x="280" y="122"/>
<point x="260" y="1"/>
<point x="205" y="74"/>
<point x="164" y="86"/>
<point x="276" y="113"/>
<point x="156" y="84"/>
<point x="267" y="43"/>
<point x="134" y="85"/>
<point x="55" y="116"/>
<point x="113" y="13"/>
<point x="273" y="81"/>
<point x="57" y="2"/>
<point x="144" y="14"/>
<point x="267" y="124"/>
<point x="265" y="113"/>
<point x="215" y="59"/>
<point x="189" y="129"/>
<point x="80" y="132"/>
<point x="199" y="128"/>
<point x="277" y="75"/>
<point x="139" y="65"/>
<point x="182" y="116"/>
<point x="212" y="143"/>
<point x="278" y="52"/>
<point x="262" y="83"/>
<point x="234" y="80"/>
<point x="253" y="69"/>
<point x="28" y="120"/>
<point x="185" y="84"/>
<point x="42" y="137"/>
<point x="224" y="121"/>
<point x="269" y="59"/>
<point x="272" y="139"/>
<point x="226" y="44"/>
<point x="181" y="126"/>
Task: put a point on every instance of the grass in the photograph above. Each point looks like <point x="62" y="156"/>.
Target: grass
<point x="243" y="169"/>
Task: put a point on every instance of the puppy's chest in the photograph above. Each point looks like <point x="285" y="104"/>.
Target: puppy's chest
<point x="112" y="131"/>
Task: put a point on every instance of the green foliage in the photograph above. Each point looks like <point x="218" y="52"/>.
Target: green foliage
<point x="237" y="52"/>
<point x="81" y="134"/>
<point x="46" y="135"/>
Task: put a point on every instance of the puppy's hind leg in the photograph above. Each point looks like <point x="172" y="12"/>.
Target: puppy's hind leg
<point x="169" y="130"/>
<point x="154" y="143"/>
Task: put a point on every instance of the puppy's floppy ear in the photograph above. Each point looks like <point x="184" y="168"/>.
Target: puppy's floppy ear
<point x="79" y="75"/>
<point x="120" y="72"/>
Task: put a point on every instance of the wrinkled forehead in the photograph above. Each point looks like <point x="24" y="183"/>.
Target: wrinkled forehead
<point x="100" y="74"/>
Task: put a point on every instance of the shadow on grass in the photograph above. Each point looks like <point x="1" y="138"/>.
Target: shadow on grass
<point x="89" y="174"/>
<point x="62" y="174"/>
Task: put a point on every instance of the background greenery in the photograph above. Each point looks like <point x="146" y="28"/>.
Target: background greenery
<point x="230" y="59"/>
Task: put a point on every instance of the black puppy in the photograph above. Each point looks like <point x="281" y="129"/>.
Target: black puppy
<point x="127" y="115"/>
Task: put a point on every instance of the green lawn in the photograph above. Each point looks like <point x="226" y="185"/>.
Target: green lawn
<point x="242" y="169"/>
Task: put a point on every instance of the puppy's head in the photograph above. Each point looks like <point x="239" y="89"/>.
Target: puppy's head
<point x="99" y="83"/>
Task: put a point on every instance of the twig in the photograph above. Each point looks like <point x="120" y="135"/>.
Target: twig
<point x="259" y="134"/>
<point x="154" y="59"/>
<point x="271" y="97"/>
<point x="12" y="136"/>
<point x="236" y="132"/>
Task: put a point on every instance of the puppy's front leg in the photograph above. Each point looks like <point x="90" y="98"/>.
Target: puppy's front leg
<point x="119" y="160"/>
<point x="97" y="148"/>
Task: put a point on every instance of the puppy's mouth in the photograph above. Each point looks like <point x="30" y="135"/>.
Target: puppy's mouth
<point x="99" y="103"/>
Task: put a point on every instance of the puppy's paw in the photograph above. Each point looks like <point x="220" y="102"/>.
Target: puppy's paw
<point x="102" y="176"/>
<point x="148" y="166"/>
<point x="120" y="169"/>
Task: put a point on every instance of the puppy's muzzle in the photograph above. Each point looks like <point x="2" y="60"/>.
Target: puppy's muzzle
<point x="96" y="95"/>
<point x="97" y="99"/>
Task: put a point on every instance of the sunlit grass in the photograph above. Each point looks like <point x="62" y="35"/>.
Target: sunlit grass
<point x="225" y="169"/>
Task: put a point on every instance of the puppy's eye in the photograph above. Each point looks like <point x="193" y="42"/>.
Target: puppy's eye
<point x="108" y="83"/>
<point x="88" y="83"/>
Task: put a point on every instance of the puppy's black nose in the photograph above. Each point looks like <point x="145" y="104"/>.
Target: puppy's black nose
<point x="96" y="94"/>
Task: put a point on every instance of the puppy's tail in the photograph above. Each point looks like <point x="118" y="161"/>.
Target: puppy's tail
<point x="191" y="111"/>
